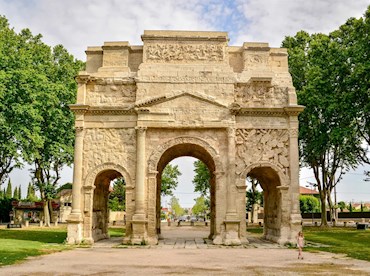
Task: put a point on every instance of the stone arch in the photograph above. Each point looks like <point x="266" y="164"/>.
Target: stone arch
<point x="96" y="197"/>
<point x="160" y="150"/>
<point x="284" y="180"/>
<point x="274" y="183"/>
<point x="93" y="173"/>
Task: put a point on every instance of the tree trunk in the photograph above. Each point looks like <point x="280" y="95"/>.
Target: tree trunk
<point x="46" y="214"/>
<point x="324" y="221"/>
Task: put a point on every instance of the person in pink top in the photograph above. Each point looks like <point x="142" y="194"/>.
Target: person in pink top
<point x="300" y="244"/>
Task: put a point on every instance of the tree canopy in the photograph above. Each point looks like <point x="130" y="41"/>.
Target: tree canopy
<point x="36" y="85"/>
<point x="329" y="75"/>
<point x="201" y="178"/>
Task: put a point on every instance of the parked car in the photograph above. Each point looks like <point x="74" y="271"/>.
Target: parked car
<point x="183" y="218"/>
<point x="193" y="219"/>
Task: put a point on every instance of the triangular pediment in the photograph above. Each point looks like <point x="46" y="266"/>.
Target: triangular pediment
<point x="181" y="99"/>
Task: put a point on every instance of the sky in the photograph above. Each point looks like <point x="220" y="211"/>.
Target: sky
<point x="77" y="24"/>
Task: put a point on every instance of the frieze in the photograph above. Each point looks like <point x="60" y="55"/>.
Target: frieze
<point x="112" y="95"/>
<point x="186" y="79"/>
<point x="261" y="94"/>
<point x="169" y="53"/>
<point x="262" y="145"/>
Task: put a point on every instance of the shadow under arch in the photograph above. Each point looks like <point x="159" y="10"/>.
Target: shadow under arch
<point x="179" y="147"/>
<point x="272" y="180"/>
<point x="96" y="193"/>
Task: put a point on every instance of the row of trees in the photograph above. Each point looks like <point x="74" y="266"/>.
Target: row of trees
<point x="331" y="74"/>
<point x="36" y="86"/>
<point x="17" y="193"/>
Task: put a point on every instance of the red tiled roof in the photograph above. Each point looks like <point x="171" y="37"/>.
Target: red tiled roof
<point x="306" y="191"/>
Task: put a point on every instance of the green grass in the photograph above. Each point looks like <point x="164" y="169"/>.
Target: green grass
<point x="349" y="241"/>
<point x="18" y="244"/>
<point x="116" y="231"/>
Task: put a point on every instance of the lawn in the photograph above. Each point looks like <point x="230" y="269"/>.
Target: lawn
<point x="18" y="244"/>
<point x="349" y="241"/>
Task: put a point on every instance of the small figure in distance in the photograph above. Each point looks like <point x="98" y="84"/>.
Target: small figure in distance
<point x="300" y="244"/>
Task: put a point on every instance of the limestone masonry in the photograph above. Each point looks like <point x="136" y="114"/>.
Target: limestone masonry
<point x="185" y="93"/>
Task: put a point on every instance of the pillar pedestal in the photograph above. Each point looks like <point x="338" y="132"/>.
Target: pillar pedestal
<point x="74" y="228"/>
<point x="232" y="232"/>
<point x="139" y="229"/>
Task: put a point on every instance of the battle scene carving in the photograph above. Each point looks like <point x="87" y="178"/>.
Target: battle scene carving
<point x="117" y="146"/>
<point x="261" y="94"/>
<point x="187" y="52"/>
<point x="112" y="95"/>
<point x="262" y="145"/>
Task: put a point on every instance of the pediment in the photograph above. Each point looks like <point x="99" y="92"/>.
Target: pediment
<point x="181" y="99"/>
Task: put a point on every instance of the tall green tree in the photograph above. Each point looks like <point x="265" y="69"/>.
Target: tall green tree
<point x="309" y="204"/>
<point x="176" y="208"/>
<point x="36" y="86"/>
<point x="9" y="190"/>
<point x="117" y="198"/>
<point x="15" y="193"/>
<point x="200" y="207"/>
<point x="201" y="178"/>
<point x="170" y="176"/>
<point x="328" y="141"/>
<point x="9" y="132"/>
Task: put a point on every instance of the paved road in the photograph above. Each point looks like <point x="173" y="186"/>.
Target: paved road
<point x="263" y="259"/>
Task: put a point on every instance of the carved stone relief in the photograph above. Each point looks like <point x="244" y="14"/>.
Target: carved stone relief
<point x="259" y="94"/>
<point x="111" y="95"/>
<point x="109" y="145"/>
<point x="186" y="52"/>
<point x="262" y="145"/>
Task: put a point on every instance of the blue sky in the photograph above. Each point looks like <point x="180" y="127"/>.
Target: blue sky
<point x="82" y="23"/>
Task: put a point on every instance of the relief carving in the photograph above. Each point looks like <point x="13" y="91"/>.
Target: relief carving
<point x="262" y="145"/>
<point x="255" y="60"/>
<point x="109" y="145"/>
<point x="112" y="95"/>
<point x="259" y="94"/>
<point x="188" y="52"/>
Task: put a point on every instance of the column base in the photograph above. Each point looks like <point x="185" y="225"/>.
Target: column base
<point x="231" y="236"/>
<point x="139" y="230"/>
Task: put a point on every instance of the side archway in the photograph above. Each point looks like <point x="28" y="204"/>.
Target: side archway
<point x="96" y="191"/>
<point x="273" y="182"/>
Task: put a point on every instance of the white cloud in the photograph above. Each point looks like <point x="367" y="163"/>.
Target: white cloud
<point x="271" y="20"/>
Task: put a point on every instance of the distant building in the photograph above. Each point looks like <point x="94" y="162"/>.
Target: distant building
<point x="306" y="191"/>
<point x="64" y="198"/>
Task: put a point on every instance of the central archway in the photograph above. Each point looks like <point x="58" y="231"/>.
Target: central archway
<point x="192" y="147"/>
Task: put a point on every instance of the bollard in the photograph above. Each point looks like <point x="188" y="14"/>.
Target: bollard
<point x="26" y="223"/>
<point x="345" y="224"/>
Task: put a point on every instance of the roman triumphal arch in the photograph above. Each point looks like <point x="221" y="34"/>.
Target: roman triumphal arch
<point x="185" y="94"/>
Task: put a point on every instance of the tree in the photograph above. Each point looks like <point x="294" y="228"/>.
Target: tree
<point x="36" y="86"/>
<point x="177" y="210"/>
<point x="170" y="176"/>
<point x="309" y="204"/>
<point x="341" y="205"/>
<point x="15" y="193"/>
<point x="328" y="141"/>
<point x="117" y="198"/>
<point x="200" y="207"/>
<point x="31" y="195"/>
<point x="9" y="132"/>
<point x="201" y="178"/>
<point x="9" y="190"/>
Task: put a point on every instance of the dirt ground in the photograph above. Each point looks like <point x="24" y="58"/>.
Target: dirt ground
<point x="103" y="260"/>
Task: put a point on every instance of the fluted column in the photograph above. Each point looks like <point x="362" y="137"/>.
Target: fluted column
<point x="294" y="167"/>
<point x="77" y="172"/>
<point x="140" y="170"/>
<point x="231" y="197"/>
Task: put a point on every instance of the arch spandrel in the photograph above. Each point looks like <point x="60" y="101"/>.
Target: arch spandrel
<point x="91" y="176"/>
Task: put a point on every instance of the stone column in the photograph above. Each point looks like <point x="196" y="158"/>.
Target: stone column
<point x="232" y="221"/>
<point x="75" y="218"/>
<point x="295" y="216"/>
<point x="139" y="233"/>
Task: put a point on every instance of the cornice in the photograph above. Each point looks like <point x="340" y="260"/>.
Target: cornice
<point x="268" y="111"/>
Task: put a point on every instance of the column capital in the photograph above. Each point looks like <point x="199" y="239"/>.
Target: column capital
<point x="230" y="132"/>
<point x="141" y="129"/>
<point x="79" y="131"/>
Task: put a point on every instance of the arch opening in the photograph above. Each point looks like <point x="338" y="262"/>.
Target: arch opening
<point x="269" y="181"/>
<point x="104" y="184"/>
<point x="187" y="150"/>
